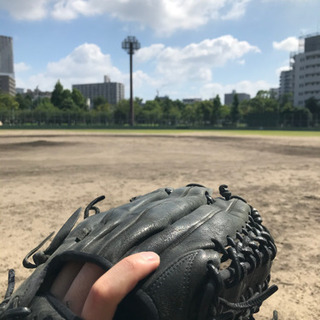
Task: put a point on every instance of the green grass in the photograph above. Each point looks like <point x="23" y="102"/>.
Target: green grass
<point x="220" y="132"/>
<point x="293" y="133"/>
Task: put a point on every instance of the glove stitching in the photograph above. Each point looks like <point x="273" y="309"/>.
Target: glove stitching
<point x="159" y="281"/>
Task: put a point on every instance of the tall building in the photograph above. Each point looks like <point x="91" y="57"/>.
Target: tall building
<point x="306" y="71"/>
<point x="113" y="92"/>
<point x="286" y="83"/>
<point x="228" y="97"/>
<point x="7" y="85"/>
<point x="7" y="82"/>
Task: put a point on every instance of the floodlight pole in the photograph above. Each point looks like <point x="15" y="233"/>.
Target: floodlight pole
<point x="131" y="89"/>
<point x="131" y="44"/>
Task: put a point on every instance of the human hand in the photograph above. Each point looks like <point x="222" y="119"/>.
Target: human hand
<point x="94" y="294"/>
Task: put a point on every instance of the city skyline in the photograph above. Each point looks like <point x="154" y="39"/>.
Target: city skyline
<point x="196" y="50"/>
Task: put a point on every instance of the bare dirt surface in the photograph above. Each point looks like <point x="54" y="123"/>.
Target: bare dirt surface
<point x="46" y="175"/>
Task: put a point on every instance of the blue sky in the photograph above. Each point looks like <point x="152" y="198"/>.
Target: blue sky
<point x="189" y="48"/>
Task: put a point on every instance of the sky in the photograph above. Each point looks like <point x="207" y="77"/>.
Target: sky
<point x="189" y="48"/>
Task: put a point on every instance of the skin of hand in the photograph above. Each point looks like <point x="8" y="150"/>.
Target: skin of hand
<point x="94" y="294"/>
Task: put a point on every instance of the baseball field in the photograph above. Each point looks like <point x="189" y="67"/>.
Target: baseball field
<point x="45" y="175"/>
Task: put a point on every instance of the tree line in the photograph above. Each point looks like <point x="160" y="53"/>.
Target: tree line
<point x="69" y="108"/>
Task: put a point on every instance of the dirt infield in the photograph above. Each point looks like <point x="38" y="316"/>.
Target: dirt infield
<point x="46" y="175"/>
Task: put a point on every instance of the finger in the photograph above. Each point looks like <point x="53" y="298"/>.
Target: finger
<point x="64" y="279"/>
<point x="80" y="287"/>
<point x="114" y="285"/>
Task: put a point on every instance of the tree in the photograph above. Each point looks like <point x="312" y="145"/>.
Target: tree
<point x="138" y="100"/>
<point x="271" y="105"/>
<point x="24" y="101"/>
<point x="79" y="99"/>
<point x="264" y="94"/>
<point x="165" y="103"/>
<point x="8" y="102"/>
<point x="179" y="104"/>
<point x="166" y="106"/>
<point x="66" y="94"/>
<point x="190" y="114"/>
<point x="121" y="112"/>
<point x="8" y="106"/>
<point x="205" y="109"/>
<point x="68" y="104"/>
<point x="216" y="110"/>
<point x="104" y="107"/>
<point x="45" y="104"/>
<point x="285" y="99"/>
<point x="302" y="117"/>
<point x="313" y="105"/>
<point x="261" y="111"/>
<point x="151" y="112"/>
<point x="235" y="113"/>
<point x="263" y="102"/>
<point x="244" y="107"/>
<point x="57" y="95"/>
<point x="98" y="101"/>
<point x="174" y="115"/>
<point x="225" y="112"/>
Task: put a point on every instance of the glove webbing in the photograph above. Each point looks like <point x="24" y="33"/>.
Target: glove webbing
<point x="251" y="249"/>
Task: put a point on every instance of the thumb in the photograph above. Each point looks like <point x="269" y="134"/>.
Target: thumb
<point x="115" y="284"/>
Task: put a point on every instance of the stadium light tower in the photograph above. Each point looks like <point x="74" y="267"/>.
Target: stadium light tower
<point x="131" y="44"/>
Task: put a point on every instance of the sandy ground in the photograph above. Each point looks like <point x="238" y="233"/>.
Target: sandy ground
<point x="45" y="176"/>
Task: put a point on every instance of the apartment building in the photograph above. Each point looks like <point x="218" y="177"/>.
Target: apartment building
<point x="286" y="83"/>
<point x="306" y="71"/>
<point x="228" y="97"/>
<point x="113" y="92"/>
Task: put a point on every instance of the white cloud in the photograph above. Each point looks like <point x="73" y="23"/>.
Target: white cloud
<point x="21" y="67"/>
<point x="195" y="61"/>
<point x="149" y="53"/>
<point x="168" y="67"/>
<point x="212" y="89"/>
<point x="86" y="60"/>
<point x="26" y="10"/>
<point x="288" y="44"/>
<point x="85" y="64"/>
<point x="284" y="68"/>
<point x="237" y="10"/>
<point x="164" y="16"/>
<point x="71" y="9"/>
<point x="296" y="1"/>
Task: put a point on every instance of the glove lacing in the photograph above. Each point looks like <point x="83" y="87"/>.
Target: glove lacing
<point x="253" y="247"/>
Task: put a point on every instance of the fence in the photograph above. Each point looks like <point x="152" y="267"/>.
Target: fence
<point x="56" y="119"/>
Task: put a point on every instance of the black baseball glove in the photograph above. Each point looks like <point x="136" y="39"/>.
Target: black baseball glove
<point x="215" y="257"/>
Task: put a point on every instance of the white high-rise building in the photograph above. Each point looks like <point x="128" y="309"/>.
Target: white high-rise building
<point x="306" y="71"/>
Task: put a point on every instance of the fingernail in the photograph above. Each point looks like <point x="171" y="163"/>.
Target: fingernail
<point x="149" y="256"/>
